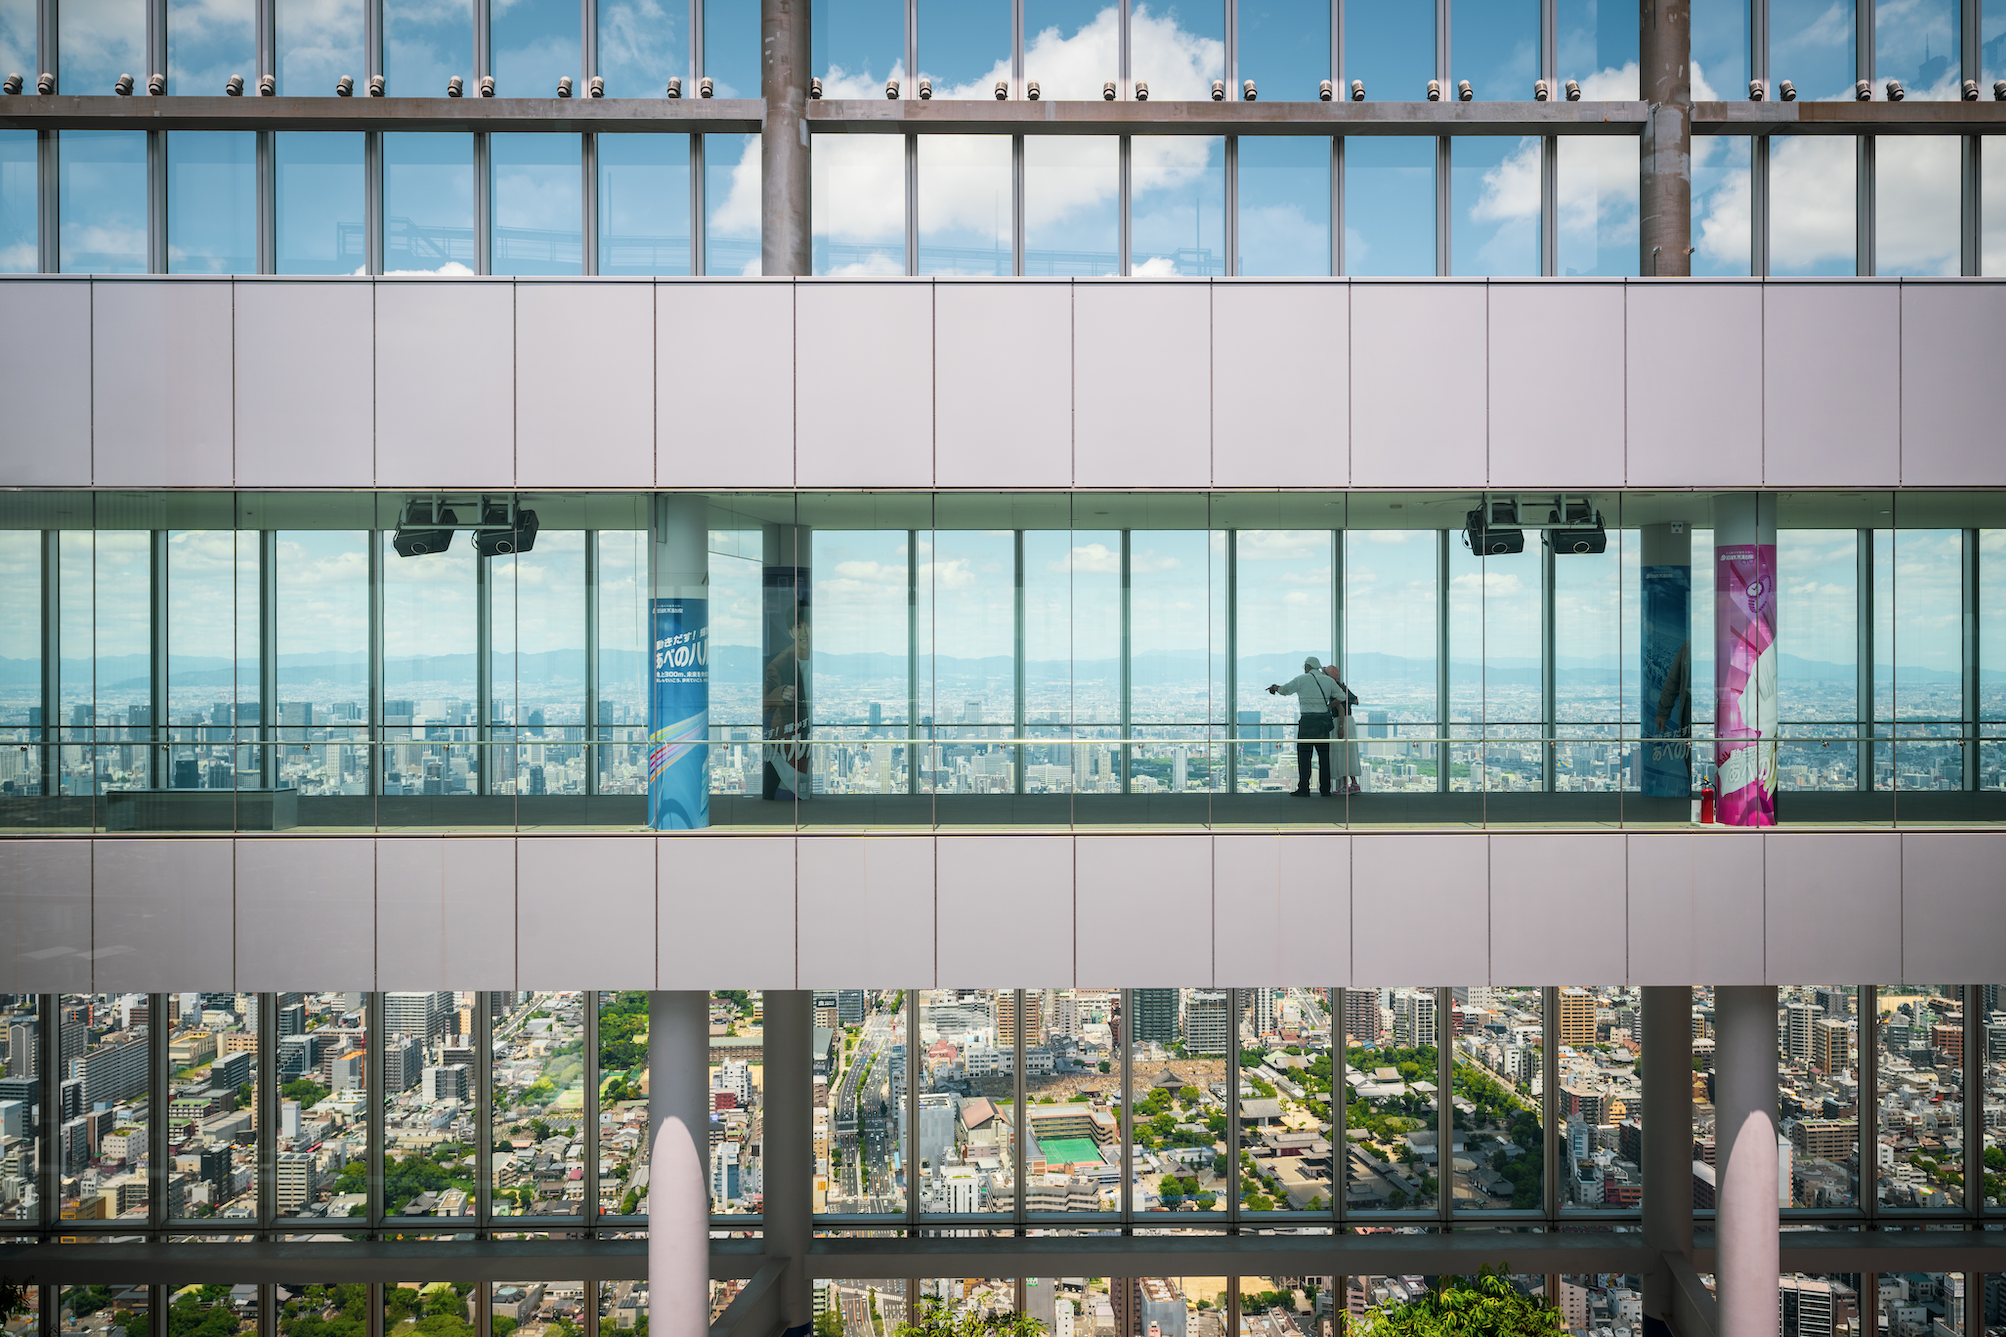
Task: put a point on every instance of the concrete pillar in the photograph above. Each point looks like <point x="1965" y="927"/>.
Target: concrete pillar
<point x="1745" y="1160"/>
<point x="787" y="1151"/>
<point x="1668" y="1139"/>
<point x="1745" y="655"/>
<point x="679" y="665"/>
<point x="783" y="142"/>
<point x="1665" y="200"/>
<point x="679" y="1163"/>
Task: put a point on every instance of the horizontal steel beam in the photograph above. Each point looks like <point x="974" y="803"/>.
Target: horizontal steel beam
<point x="1848" y="118"/>
<point x="66" y="111"/>
<point x="1228" y="118"/>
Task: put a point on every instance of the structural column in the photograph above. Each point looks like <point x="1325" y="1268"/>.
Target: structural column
<point x="783" y="141"/>
<point x="1745" y="655"/>
<point x="1668" y="1141"/>
<point x="787" y="1150"/>
<point x="679" y="1162"/>
<point x="679" y="665"/>
<point x="786" y="654"/>
<point x="1665" y="199"/>
<point x="1745" y="1159"/>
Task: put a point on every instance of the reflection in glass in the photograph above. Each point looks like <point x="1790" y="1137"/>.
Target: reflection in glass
<point x="1179" y="222"/>
<point x="1071" y="214"/>
<point x="20" y="1018"/>
<point x="1598" y="48"/>
<point x="1722" y="211"/>
<point x="1284" y="48"/>
<point x="1916" y="194"/>
<point x="102" y="199"/>
<point x="1601" y="1097"/>
<point x="103" y="1041"/>
<point x="1598" y="187"/>
<point x="212" y="203"/>
<point x="535" y="45"/>
<point x="642" y="45"/>
<point x="1819" y="690"/>
<point x="1813" y="219"/>
<point x="19" y="226"/>
<point x="1916" y="41"/>
<point x="1720" y="50"/>
<point x="428" y="203"/>
<point x="97" y="41"/>
<point x="973" y="578"/>
<point x="1071" y="49"/>
<point x="1285" y="607"/>
<point x="1178" y="50"/>
<point x="1811" y="44"/>
<point x="1390" y="48"/>
<point x="1072" y="1150"/>
<point x="864" y="1070"/>
<point x="318" y="42"/>
<point x="964" y="48"/>
<point x="1494" y="46"/>
<point x="212" y="662"/>
<point x="207" y="42"/>
<point x="1284" y="221"/>
<point x="17" y="36"/>
<point x="537" y="211"/>
<point x="320" y="202"/>
<point x="1493" y="206"/>
<point x="425" y="44"/>
<point x="731" y="48"/>
<point x="1389" y="205"/>
<point x="644" y="204"/>
<point x="212" y="1135"/>
<point x="859" y="209"/>
<point x="731" y="197"/>
<point x="859" y="45"/>
<point x="964" y="204"/>
<point x="860" y="653"/>
<point x="737" y="548"/>
<point x="539" y="1084"/>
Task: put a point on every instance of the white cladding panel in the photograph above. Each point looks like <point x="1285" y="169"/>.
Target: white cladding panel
<point x="1420" y="910"/>
<point x="162" y="411"/>
<point x="445" y="383"/>
<point x="1695" y="907"/>
<point x="45" y="384"/>
<point x="710" y="429"/>
<point x="45" y="902"/>
<point x="707" y="891"/>
<point x="301" y="905"/>
<point x="980" y="945"/>
<point x="305" y="384"/>
<point x="1556" y="906"/>
<point x="163" y="917"/>
<point x="1556" y="385"/>
<point x="1953" y="395"/>
<point x="588" y="919"/>
<point x="1281" y="910"/>
<point x="1831" y="403"/>
<point x="1693" y="383"/>
<point x="861" y="352"/>
<point x="1003" y="384"/>
<point x="585" y="384"/>
<point x="1142" y="383"/>
<point x="1953" y="909"/>
<point x="445" y="910"/>
<point x="1418" y="377"/>
<point x="1142" y="907"/>
<point x="1281" y="384"/>
<point x="865" y="910"/>
<point x="1832" y="906"/>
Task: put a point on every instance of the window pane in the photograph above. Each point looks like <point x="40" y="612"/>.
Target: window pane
<point x="1601" y="1104"/>
<point x="1811" y="44"/>
<point x="212" y="673"/>
<point x="1814" y="224"/>
<point x="1179" y="223"/>
<point x="212" y="202"/>
<point x="1598" y="48"/>
<point x="212" y="1135"/>
<point x="1598" y="205"/>
<point x="644" y="204"/>
<point x="1917" y="43"/>
<point x="320" y="203"/>
<point x="859" y="44"/>
<point x="207" y="42"/>
<point x="1074" y="1149"/>
<point x="737" y="655"/>
<point x="964" y="204"/>
<point x="20" y="1023"/>
<point x="1179" y="50"/>
<point x="1494" y="46"/>
<point x="1284" y="205"/>
<point x="1720" y="50"/>
<point x="1390" y="1071"/>
<point x="1389" y="205"/>
<point x="102" y="1105"/>
<point x="1284" y="1101"/>
<point x="539" y="1082"/>
<point x="1284" y="607"/>
<point x="425" y="44"/>
<point x="428" y="204"/>
<point x="965" y="1155"/>
<point x="19" y="225"/>
<point x="1992" y="191"/>
<point x="1389" y="627"/>
<point x="1071" y="218"/>
<point x="859" y="194"/>
<point x="1721" y="208"/>
<point x="866" y="1029"/>
<point x="17" y="36"/>
<point x="538" y="210"/>
<point x="1285" y="49"/>
<point x="1390" y="48"/>
<point x="323" y="639"/>
<point x="973" y="578"/>
<point x="964" y="47"/>
<point x="642" y="45"/>
<point x="103" y="201"/>
<point x="318" y="42"/>
<point x="1917" y="184"/>
<point x="731" y="47"/>
<point x="429" y="707"/>
<point x="1070" y="49"/>
<point x="1499" y="1057"/>
<point x="1921" y="1030"/>
<point x="536" y="44"/>
<point x="1494" y="206"/>
<point x="731" y="194"/>
<point x="98" y="40"/>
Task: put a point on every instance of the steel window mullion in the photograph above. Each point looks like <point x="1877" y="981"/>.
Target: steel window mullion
<point x="265" y="1092"/>
<point x="590" y="1207"/>
<point x="1340" y="1091"/>
<point x="1867" y="1134"/>
<point x="1233" y="1137"/>
<point x="1126" y="220"/>
<point x="1127" y="664"/>
<point x="588" y="195"/>
<point x="913" y="741"/>
<point x="1021" y="1117"/>
<point x="1019" y="707"/>
<point x="483" y="203"/>
<point x="592" y="650"/>
<point x="484" y="1087"/>
<point x="158" y="749"/>
<point x="51" y="684"/>
<point x="1233" y="662"/>
<point x="373" y="1082"/>
<point x="1126" y="1117"/>
<point x="1231" y="239"/>
<point x="158" y="1084"/>
<point x="697" y="204"/>
<point x="1442" y="749"/>
<point x="49" y="1014"/>
<point x="1974" y="1111"/>
<point x="268" y="657"/>
<point x="911" y="1140"/>
<point x="1864" y="651"/>
<point x="1445" y="1106"/>
<point x="1337" y="204"/>
<point x="1863" y="203"/>
<point x="1017" y="198"/>
<point x="1971" y="665"/>
<point x="912" y="203"/>
<point x="1758" y="203"/>
<point x="156" y="201"/>
<point x="373" y="204"/>
<point x="1549" y="1098"/>
<point x="1442" y="220"/>
<point x="1549" y="682"/>
<point x="484" y="687"/>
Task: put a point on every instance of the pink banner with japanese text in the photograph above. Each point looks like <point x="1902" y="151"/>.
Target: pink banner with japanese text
<point x="1745" y="653"/>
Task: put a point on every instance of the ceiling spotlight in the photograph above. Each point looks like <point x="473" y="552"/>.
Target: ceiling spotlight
<point x="1107" y="91"/>
<point x="14" y="84"/>
<point x="1971" y="90"/>
<point x="414" y="542"/>
<point x="268" y="85"/>
<point x="1788" y="90"/>
<point x="455" y="86"/>
<point x="706" y="87"/>
<point x="1863" y="91"/>
<point x="1998" y="89"/>
<point x="1141" y="91"/>
<point x="1247" y="93"/>
<point x="1573" y="91"/>
<point x="376" y="85"/>
<point x="45" y="83"/>
<point x="1463" y="91"/>
<point x="1218" y="90"/>
<point x="498" y="538"/>
<point x="1323" y="90"/>
<point x="1756" y="92"/>
<point x="1895" y="90"/>
<point x="564" y="86"/>
<point x="487" y="85"/>
<point x="156" y="85"/>
<point x="596" y="88"/>
<point x="122" y="85"/>
<point x="232" y="87"/>
<point x="1031" y="90"/>
<point x="1002" y="90"/>
<point x="675" y="87"/>
<point x="814" y="90"/>
<point x="344" y="86"/>
<point x="1434" y="90"/>
<point x="891" y="90"/>
<point x="1542" y="91"/>
<point x="926" y="90"/>
<point x="1488" y="540"/>
<point x="1358" y="90"/>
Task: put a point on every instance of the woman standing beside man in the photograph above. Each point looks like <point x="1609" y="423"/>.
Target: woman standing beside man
<point x="1326" y="711"/>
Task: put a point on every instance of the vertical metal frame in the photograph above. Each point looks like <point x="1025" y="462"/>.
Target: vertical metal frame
<point x="1442" y="749"/>
<point x="1868" y="1106"/>
<point x="51" y="650"/>
<point x="156" y="201"/>
<point x="910" y="1144"/>
<point x="1124" y="1113"/>
<point x="1549" y="1097"/>
<point x="1445" y="1101"/>
<point x="48" y="175"/>
<point x="1864" y="243"/>
<point x="1233" y="668"/>
<point x="484" y="686"/>
<point x="1970" y="665"/>
<point x="265" y="1092"/>
<point x="916" y="743"/>
<point x="1974" y="1114"/>
<point x="1235" y="1000"/>
<point x="1125" y="221"/>
<point x="697" y="233"/>
<point x="1021" y="1116"/>
<point x="912" y="141"/>
<point x="588" y="196"/>
<point x="1864" y="650"/>
<point x="1549" y="679"/>
<point x="1340" y="1100"/>
<point x="1337" y="204"/>
<point x="372" y="204"/>
<point x="159" y="752"/>
<point x="48" y="1165"/>
<point x="268" y="657"/>
<point x="484" y="203"/>
<point x="589" y="1208"/>
<point x="1442" y="218"/>
<point x="482" y="1041"/>
<point x="1549" y="145"/>
<point x="378" y="750"/>
<point x="1127" y="658"/>
<point x="1758" y="145"/>
<point x="160" y="1166"/>
<point x="373" y="1040"/>
<point x="592" y="753"/>
<point x="1231" y="238"/>
<point x="1020" y="714"/>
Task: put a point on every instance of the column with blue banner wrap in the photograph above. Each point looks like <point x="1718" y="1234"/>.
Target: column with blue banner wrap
<point x="679" y="665"/>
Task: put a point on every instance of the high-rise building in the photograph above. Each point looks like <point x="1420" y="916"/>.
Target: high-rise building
<point x="1262" y="1009"/>
<point x="448" y="1083"/>
<point x="1800" y="1024"/>
<point x="1156" y="1015"/>
<point x="1208" y="1025"/>
<point x="1361" y="1016"/>
<point x="424" y="1015"/>
<point x="1831" y="1046"/>
<point x="113" y="1069"/>
<point x="1033" y="1017"/>
<point x="1577" y="1018"/>
<point x="1413" y="1018"/>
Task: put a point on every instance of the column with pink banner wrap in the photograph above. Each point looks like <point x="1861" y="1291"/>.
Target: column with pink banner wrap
<point x="1745" y="655"/>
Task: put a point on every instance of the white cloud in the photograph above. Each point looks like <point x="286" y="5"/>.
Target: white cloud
<point x="1916" y="189"/>
<point x="1511" y="189"/>
<point x="1813" y="217"/>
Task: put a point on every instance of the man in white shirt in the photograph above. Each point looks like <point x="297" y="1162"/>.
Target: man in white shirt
<point x="1323" y="702"/>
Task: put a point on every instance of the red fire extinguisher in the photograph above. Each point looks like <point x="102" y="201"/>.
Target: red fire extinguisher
<point x="1706" y="803"/>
